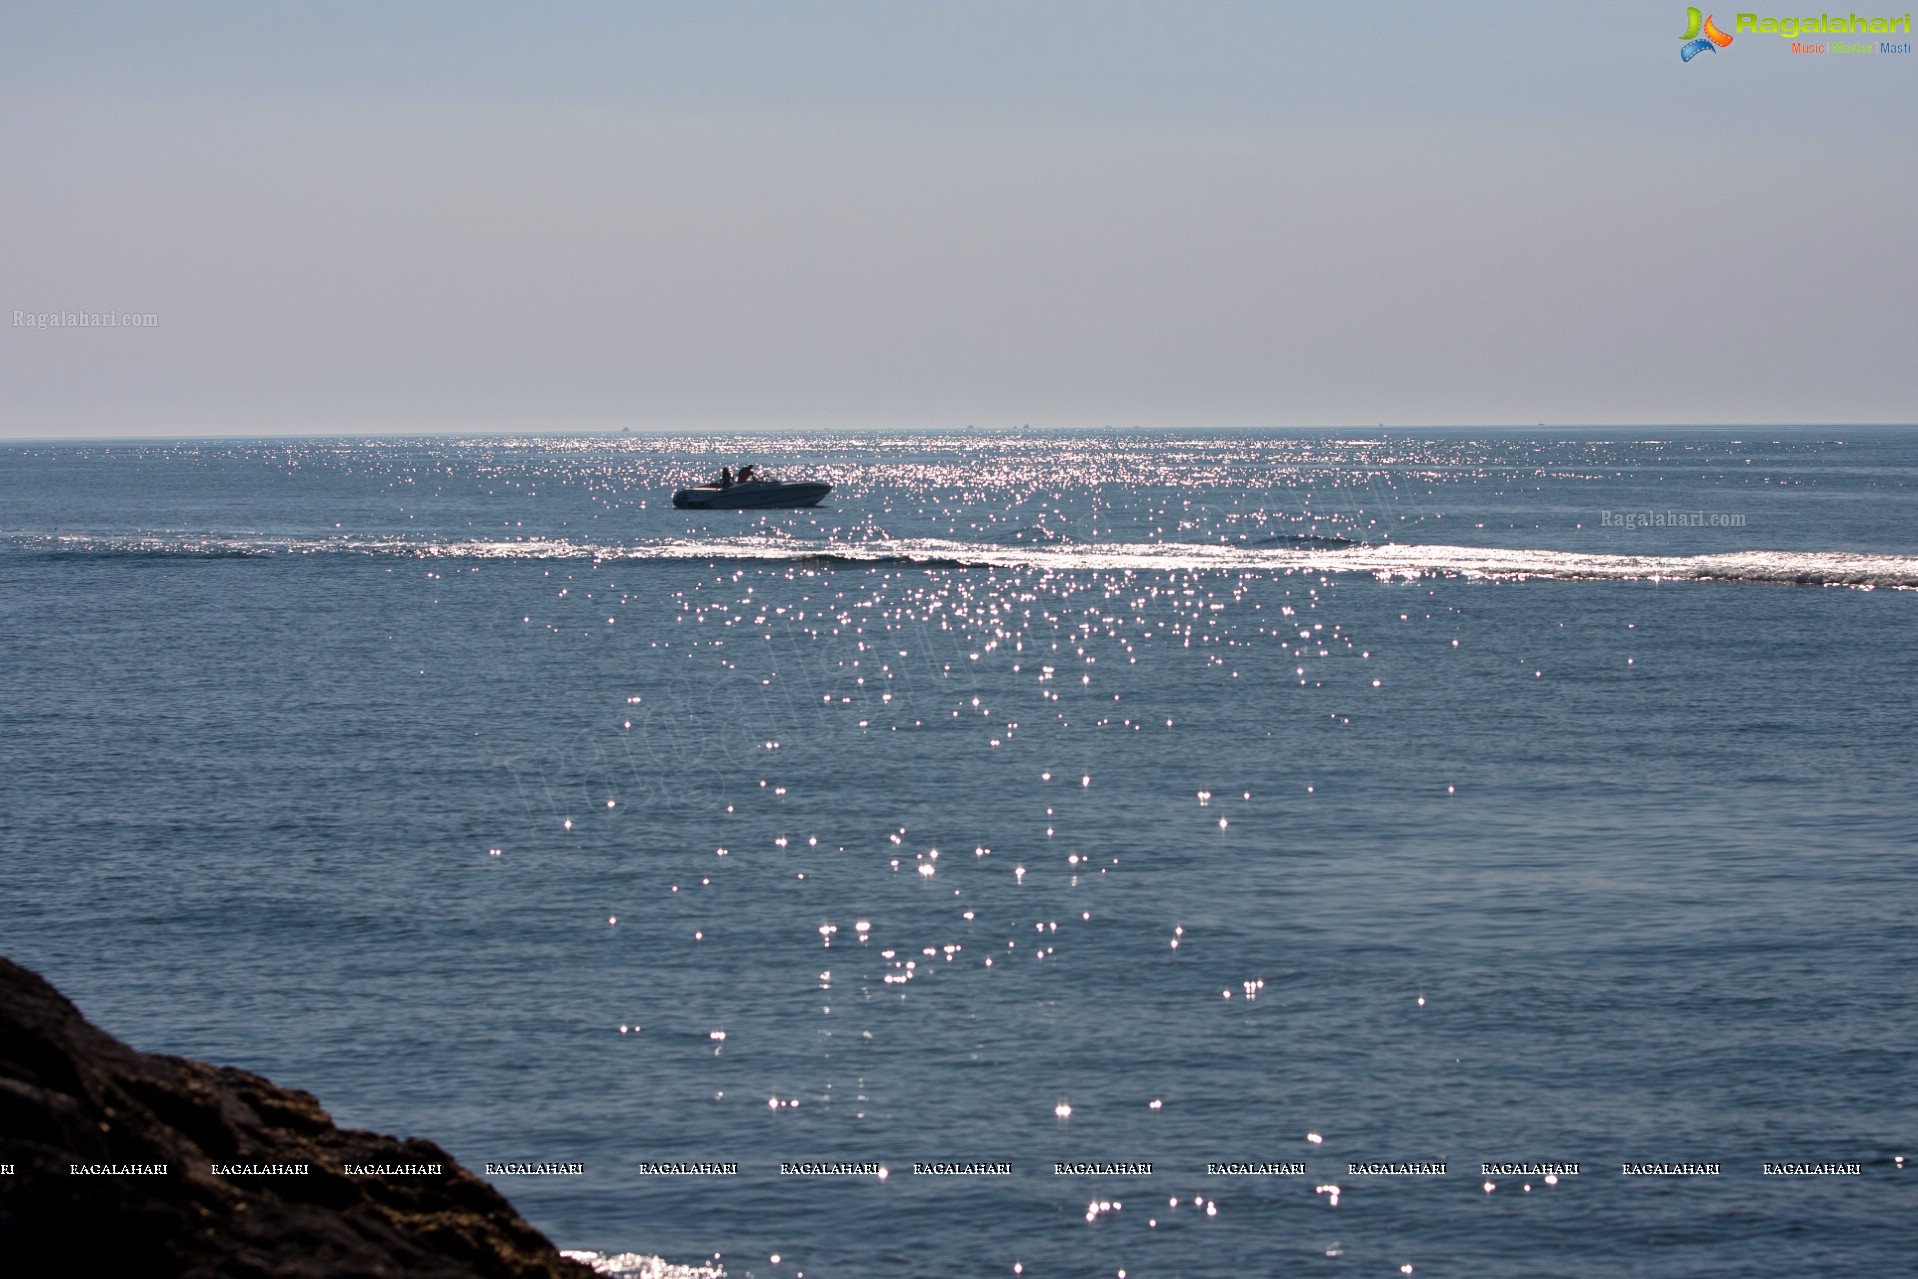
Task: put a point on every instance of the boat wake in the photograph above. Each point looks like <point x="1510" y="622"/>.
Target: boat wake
<point x="1386" y="562"/>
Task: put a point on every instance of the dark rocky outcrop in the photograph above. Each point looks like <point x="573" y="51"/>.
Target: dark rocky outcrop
<point x="72" y="1094"/>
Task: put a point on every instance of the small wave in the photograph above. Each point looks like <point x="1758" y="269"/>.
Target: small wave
<point x="634" y="1265"/>
<point x="1032" y="535"/>
<point x="1810" y="568"/>
<point x="1305" y="539"/>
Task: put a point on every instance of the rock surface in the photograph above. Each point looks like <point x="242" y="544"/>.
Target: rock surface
<point x="72" y="1094"/>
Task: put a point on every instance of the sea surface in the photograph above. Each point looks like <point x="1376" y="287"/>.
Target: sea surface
<point x="1113" y="799"/>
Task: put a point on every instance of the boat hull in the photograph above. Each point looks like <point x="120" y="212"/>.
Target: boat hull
<point x="750" y="497"/>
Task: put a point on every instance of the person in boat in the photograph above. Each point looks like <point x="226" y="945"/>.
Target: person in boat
<point x="745" y="473"/>
<point x="725" y="477"/>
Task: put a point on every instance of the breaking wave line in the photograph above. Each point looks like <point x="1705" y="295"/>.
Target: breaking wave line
<point x="1815" y="568"/>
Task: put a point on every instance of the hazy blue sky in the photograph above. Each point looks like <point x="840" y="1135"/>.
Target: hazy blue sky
<point x="404" y="217"/>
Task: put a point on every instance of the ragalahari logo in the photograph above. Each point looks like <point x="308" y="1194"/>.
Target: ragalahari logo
<point x="1701" y="36"/>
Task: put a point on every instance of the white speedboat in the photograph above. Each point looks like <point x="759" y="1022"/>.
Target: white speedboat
<point x="754" y="493"/>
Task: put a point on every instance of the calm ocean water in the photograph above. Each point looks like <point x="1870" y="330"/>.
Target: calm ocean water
<point x="1383" y="799"/>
